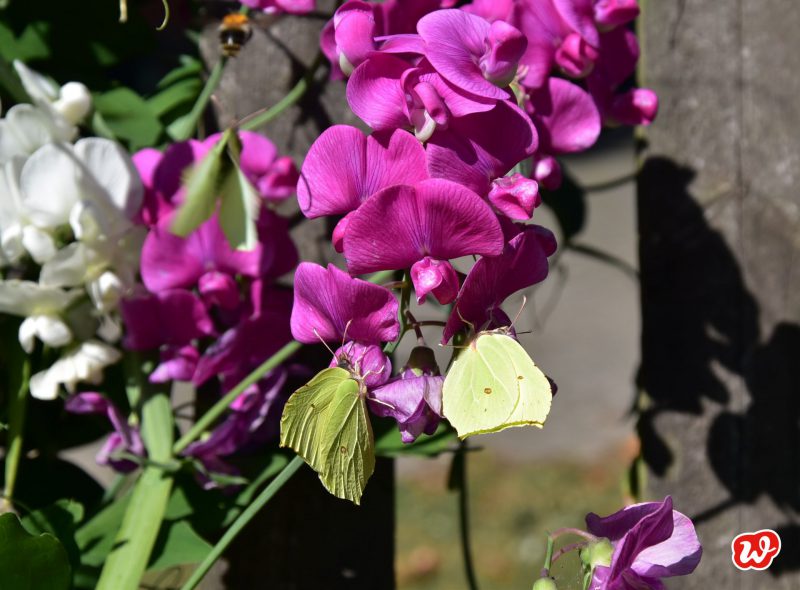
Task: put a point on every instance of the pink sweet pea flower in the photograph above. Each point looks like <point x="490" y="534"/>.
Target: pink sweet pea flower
<point x="565" y="115"/>
<point x="278" y="6"/>
<point x="124" y="439"/>
<point x="413" y="398"/>
<point x="172" y="317"/>
<point x="329" y="302"/>
<point x="177" y="364"/>
<point x="515" y="196"/>
<point x="492" y="279"/>
<point x="472" y="54"/>
<point x="435" y="218"/>
<point x="437" y="277"/>
<point x="651" y="541"/>
<point x="367" y="361"/>
<point x="344" y="167"/>
<point x="274" y="177"/>
<point x="609" y="14"/>
<point x="477" y="148"/>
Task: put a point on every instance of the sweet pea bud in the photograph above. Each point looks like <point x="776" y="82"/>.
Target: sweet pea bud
<point x="635" y="107"/>
<point x="365" y="361"/>
<point x="547" y="172"/>
<point x="219" y="288"/>
<point x="597" y="553"/>
<point x="545" y="584"/>
<point x="74" y="102"/>
<point x="355" y="32"/>
<point x="575" y="56"/>
<point x="505" y="46"/>
<point x="515" y="196"/>
<point x="339" y="231"/>
<point x="609" y="14"/>
<point x="430" y="275"/>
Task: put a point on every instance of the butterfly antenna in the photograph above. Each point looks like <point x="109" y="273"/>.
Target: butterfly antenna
<point x="325" y="344"/>
<point x="346" y="328"/>
<point x="521" y="307"/>
<point x="466" y="321"/>
<point x="383" y="403"/>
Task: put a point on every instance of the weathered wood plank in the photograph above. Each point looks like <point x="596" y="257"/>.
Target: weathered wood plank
<point x="719" y="217"/>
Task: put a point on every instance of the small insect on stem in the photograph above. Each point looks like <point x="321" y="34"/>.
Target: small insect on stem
<point x="234" y="31"/>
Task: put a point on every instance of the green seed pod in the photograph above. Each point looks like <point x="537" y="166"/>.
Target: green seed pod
<point x="545" y="584"/>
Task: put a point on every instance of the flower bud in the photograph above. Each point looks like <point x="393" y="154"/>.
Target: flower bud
<point x="575" y="56"/>
<point x="339" y="231"/>
<point x="505" y="46"/>
<point x="547" y="171"/>
<point x="515" y="196"/>
<point x="354" y="24"/>
<point x="430" y="275"/>
<point x="597" y="553"/>
<point x="545" y="584"/>
<point x="635" y="107"/>
<point x="421" y="361"/>
<point x="74" y="102"/>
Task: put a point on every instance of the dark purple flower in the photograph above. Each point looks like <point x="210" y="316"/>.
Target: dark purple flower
<point x="330" y="305"/>
<point x="609" y="14"/>
<point x="344" y="167"/>
<point x="403" y="224"/>
<point x="177" y="364"/>
<point x="124" y="439"/>
<point x="492" y="279"/>
<point x="413" y="398"/>
<point x="651" y="541"/>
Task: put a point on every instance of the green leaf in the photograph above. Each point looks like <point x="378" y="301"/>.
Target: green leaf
<point x="179" y="94"/>
<point x="190" y="67"/>
<point x="202" y="187"/>
<point x="31" y="562"/>
<point x="177" y="544"/>
<point x="129" y="117"/>
<point x="95" y="538"/>
<point x="388" y="442"/>
<point x="60" y="520"/>
<point x="238" y="210"/>
<point x="30" y="45"/>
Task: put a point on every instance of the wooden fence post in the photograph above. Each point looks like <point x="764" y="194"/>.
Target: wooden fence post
<point x="719" y="221"/>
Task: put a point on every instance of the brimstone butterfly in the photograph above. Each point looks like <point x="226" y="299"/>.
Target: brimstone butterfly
<point x="492" y="385"/>
<point x="326" y="423"/>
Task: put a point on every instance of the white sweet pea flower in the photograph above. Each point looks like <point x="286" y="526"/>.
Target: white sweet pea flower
<point x="42" y="307"/>
<point x="27" y="127"/>
<point x="72" y="102"/>
<point x="82" y="364"/>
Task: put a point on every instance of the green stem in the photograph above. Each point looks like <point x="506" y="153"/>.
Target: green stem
<point x="183" y="128"/>
<point x="17" y="410"/>
<point x="222" y="405"/>
<point x="405" y="300"/>
<point x="242" y="521"/>
<point x="295" y="94"/>
<point x="548" y="557"/>
<point x="463" y="517"/>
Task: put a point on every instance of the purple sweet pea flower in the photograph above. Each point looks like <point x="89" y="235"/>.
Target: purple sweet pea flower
<point x="366" y="361"/>
<point x="174" y="317"/>
<point x="472" y="54"/>
<point x="279" y="6"/>
<point x="344" y="167"/>
<point x="177" y="364"/>
<point x="329" y="302"/>
<point x="275" y="178"/>
<point x="434" y="218"/>
<point x="651" y="541"/>
<point x="170" y="261"/>
<point x="252" y="421"/>
<point x="477" y="148"/>
<point x="609" y="14"/>
<point x="124" y="439"/>
<point x="565" y="116"/>
<point x="437" y="277"/>
<point x="492" y="279"/>
<point x="413" y="398"/>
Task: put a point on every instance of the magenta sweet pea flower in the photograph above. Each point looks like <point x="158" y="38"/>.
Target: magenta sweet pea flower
<point x="344" y="167"/>
<point x="472" y="54"/>
<point x="274" y="177"/>
<point x="565" y="116"/>
<point x="413" y="398"/>
<point x="278" y="6"/>
<point x="476" y="149"/>
<point x="328" y="302"/>
<point x="435" y="218"/>
<point x="651" y="541"/>
<point x="124" y="439"/>
<point x="437" y="277"/>
<point x="173" y="317"/>
<point x="492" y="279"/>
<point x="177" y="364"/>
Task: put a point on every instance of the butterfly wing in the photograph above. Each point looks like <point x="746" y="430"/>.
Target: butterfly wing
<point x="323" y="417"/>
<point x="493" y="385"/>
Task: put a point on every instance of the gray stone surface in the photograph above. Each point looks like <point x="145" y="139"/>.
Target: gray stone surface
<point x="718" y="222"/>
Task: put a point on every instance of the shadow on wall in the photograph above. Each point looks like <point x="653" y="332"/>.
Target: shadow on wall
<point x="697" y="313"/>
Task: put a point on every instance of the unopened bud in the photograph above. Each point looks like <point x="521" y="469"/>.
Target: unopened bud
<point x="597" y="553"/>
<point x="545" y="584"/>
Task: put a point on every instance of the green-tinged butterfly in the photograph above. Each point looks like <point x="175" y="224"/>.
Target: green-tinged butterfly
<point x="326" y="423"/>
<point x="492" y="385"/>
